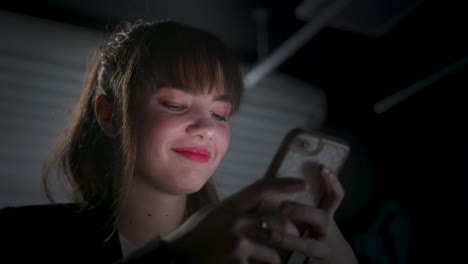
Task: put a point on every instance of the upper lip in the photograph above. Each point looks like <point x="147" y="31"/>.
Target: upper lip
<point x="194" y="149"/>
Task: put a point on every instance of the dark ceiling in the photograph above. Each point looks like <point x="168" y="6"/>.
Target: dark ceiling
<point x="345" y="62"/>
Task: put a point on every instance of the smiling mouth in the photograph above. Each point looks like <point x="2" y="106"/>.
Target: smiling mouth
<point x="197" y="154"/>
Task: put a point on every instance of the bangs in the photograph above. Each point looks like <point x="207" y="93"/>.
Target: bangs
<point x="194" y="61"/>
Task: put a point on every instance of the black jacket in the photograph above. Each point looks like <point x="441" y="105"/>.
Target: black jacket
<point x="62" y="233"/>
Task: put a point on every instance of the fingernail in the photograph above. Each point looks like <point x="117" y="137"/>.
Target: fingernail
<point x="326" y="171"/>
<point x="274" y="236"/>
<point x="286" y="208"/>
<point x="298" y="183"/>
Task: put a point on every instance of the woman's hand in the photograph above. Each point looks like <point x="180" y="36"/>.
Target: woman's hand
<point x="324" y="242"/>
<point x="228" y="232"/>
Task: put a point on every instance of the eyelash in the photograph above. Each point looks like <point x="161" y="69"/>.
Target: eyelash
<point x="173" y="108"/>
<point x="179" y="109"/>
<point x="218" y="117"/>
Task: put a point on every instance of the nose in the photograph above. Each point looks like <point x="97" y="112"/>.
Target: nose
<point x="202" y="128"/>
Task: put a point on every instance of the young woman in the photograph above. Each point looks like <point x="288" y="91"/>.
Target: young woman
<point x="149" y="130"/>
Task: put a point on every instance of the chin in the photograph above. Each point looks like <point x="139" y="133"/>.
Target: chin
<point x="191" y="183"/>
<point x="184" y="189"/>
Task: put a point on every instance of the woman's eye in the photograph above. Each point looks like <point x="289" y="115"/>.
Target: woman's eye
<point x="172" y="107"/>
<point x="218" y="117"/>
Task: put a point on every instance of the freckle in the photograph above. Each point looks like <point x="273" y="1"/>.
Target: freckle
<point x="167" y="215"/>
<point x="131" y="222"/>
<point x="149" y="214"/>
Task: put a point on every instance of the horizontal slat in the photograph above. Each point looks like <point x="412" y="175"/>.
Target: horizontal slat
<point x="38" y="83"/>
<point x="22" y="109"/>
<point x="35" y="66"/>
<point x="47" y="39"/>
<point x="264" y="112"/>
<point x="254" y="135"/>
<point x="34" y="125"/>
<point x="22" y="150"/>
<point x="23" y="155"/>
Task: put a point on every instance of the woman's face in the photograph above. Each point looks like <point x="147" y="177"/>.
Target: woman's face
<point x="182" y="139"/>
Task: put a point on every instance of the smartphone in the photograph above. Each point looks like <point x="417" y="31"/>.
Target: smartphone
<point x="302" y="154"/>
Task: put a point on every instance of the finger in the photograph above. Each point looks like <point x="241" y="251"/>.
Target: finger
<point x="245" y="224"/>
<point x="255" y="228"/>
<point x="334" y="192"/>
<point x="265" y="226"/>
<point x="251" y="195"/>
<point x="264" y="254"/>
<point x="307" y="246"/>
<point x="317" y="219"/>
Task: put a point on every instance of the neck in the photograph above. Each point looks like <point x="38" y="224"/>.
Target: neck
<point x="148" y="213"/>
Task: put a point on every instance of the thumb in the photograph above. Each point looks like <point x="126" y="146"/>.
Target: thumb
<point x="334" y="192"/>
<point x="254" y="193"/>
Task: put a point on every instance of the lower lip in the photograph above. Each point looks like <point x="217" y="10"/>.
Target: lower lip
<point x="197" y="157"/>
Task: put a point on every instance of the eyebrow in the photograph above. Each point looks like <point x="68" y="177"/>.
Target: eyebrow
<point x="222" y="98"/>
<point x="218" y="98"/>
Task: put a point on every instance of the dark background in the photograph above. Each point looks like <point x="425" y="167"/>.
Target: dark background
<point x="415" y="153"/>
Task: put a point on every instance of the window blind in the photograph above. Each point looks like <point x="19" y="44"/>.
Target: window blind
<point x="42" y="64"/>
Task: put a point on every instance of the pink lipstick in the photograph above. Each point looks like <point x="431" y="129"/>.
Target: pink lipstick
<point x="197" y="154"/>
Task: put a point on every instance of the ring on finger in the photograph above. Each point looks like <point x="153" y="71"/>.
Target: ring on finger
<point x="264" y="225"/>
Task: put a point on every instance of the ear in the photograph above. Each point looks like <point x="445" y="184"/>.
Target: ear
<point x="104" y="111"/>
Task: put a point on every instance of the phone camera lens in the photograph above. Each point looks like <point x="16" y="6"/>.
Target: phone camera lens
<point x="302" y="143"/>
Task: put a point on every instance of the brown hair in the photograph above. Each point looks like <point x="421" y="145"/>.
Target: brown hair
<point x="137" y="56"/>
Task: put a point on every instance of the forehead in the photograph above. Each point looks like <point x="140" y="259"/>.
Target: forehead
<point x="198" y="69"/>
<point x="189" y="80"/>
<point x="216" y="95"/>
<point x="215" y="90"/>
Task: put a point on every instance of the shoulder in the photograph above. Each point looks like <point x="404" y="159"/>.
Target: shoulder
<point x="46" y="220"/>
<point x="53" y="217"/>
<point x="31" y="228"/>
<point x="39" y="210"/>
<point x="39" y="215"/>
<point x="64" y="228"/>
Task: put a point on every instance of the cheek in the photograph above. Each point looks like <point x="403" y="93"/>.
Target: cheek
<point x="157" y="131"/>
<point x="223" y="140"/>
